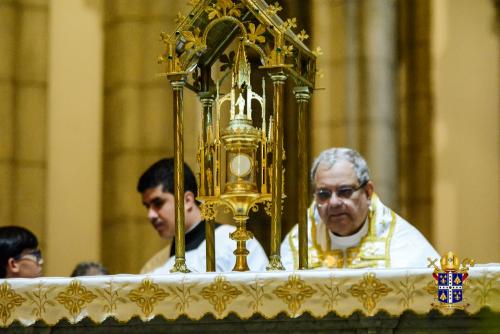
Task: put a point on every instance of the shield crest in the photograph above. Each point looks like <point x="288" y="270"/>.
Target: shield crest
<point x="450" y="286"/>
<point x="450" y="280"/>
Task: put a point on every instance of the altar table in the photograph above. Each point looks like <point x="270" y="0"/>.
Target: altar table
<point x="371" y="301"/>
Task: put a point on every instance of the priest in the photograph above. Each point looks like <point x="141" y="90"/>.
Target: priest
<point x="349" y="226"/>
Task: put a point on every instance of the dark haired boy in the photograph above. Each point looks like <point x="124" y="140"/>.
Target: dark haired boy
<point x="156" y="186"/>
<point x="19" y="253"/>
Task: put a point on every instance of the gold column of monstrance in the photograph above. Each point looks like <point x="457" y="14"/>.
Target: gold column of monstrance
<point x="240" y="149"/>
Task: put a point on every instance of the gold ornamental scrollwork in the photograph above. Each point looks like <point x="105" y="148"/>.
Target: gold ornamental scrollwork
<point x="75" y="297"/>
<point x="223" y="8"/>
<point x="9" y="300"/>
<point x="220" y="293"/>
<point x="209" y="210"/>
<point x="294" y="292"/>
<point x="147" y="295"/>
<point x="267" y="207"/>
<point x="369" y="291"/>
<point x="241" y="235"/>
<point x="267" y="202"/>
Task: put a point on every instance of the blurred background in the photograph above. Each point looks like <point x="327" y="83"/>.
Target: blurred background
<point x="413" y="85"/>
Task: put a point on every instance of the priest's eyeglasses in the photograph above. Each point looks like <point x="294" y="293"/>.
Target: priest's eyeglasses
<point x="323" y="195"/>
<point x="34" y="255"/>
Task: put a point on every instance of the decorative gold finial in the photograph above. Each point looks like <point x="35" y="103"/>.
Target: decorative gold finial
<point x="274" y="9"/>
<point x="241" y="68"/>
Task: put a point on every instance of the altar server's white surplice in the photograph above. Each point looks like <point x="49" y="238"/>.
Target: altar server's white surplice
<point x="224" y="257"/>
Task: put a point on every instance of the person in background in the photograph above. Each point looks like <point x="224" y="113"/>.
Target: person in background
<point x="89" y="269"/>
<point x="156" y="187"/>
<point x="19" y="253"/>
<point x="348" y="225"/>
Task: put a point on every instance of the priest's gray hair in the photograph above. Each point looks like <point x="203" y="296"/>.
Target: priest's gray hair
<point x="331" y="156"/>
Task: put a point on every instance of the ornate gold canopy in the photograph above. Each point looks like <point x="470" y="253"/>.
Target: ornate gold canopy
<point x="206" y="32"/>
<point x="240" y="154"/>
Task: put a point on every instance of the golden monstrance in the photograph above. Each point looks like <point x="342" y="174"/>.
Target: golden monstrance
<point x="224" y="51"/>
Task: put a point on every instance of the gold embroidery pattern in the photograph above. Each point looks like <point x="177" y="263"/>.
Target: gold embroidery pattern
<point x="369" y="291"/>
<point x="147" y="295"/>
<point x="406" y="289"/>
<point x="268" y="295"/>
<point x="332" y="292"/>
<point x="256" y="292"/>
<point x="295" y="251"/>
<point x="388" y="240"/>
<point x="484" y="288"/>
<point x="294" y="292"/>
<point x="333" y="259"/>
<point x="75" y="297"/>
<point x="220" y="293"/>
<point x="39" y="299"/>
<point x="183" y="295"/>
<point x="314" y="234"/>
<point x="111" y="297"/>
<point x="9" y="300"/>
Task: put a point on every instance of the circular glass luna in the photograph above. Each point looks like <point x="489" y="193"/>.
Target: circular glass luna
<point x="241" y="165"/>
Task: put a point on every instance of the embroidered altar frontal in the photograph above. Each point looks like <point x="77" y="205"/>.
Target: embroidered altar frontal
<point x="244" y="295"/>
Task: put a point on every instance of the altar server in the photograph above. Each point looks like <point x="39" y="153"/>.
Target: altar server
<point x="349" y="226"/>
<point x="156" y="186"/>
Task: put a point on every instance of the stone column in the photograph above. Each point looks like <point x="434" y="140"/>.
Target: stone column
<point x="352" y="70"/>
<point x="8" y="46"/>
<point x="379" y="142"/>
<point x="358" y="107"/>
<point x="23" y="114"/>
<point x="416" y="114"/>
<point x="330" y="103"/>
<point x="74" y="143"/>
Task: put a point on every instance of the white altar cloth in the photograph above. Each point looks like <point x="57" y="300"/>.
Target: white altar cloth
<point x="317" y="292"/>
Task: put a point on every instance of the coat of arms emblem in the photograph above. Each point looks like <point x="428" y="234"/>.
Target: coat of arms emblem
<point x="450" y="280"/>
